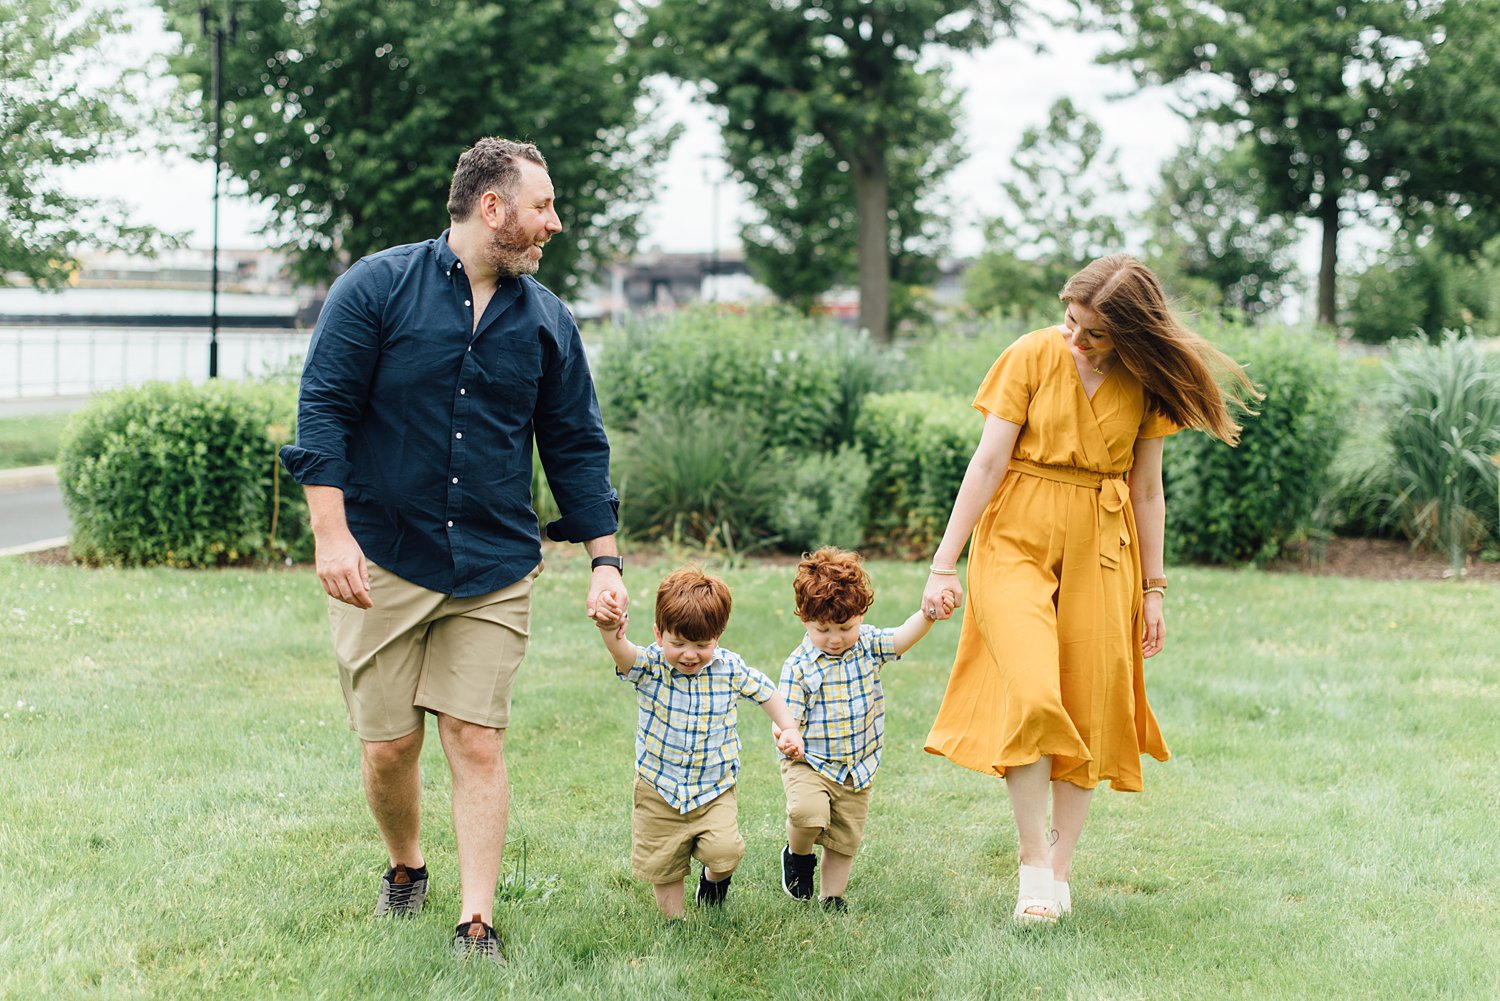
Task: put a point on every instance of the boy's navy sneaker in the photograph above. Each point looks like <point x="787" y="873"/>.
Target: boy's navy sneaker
<point x="837" y="905"/>
<point x="797" y="873"/>
<point x="473" y="939"/>
<point x="712" y="894"/>
<point x="402" y="892"/>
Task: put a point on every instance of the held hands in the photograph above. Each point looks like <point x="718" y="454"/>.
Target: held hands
<point x="608" y="611"/>
<point x="788" y="741"/>
<point x="942" y="596"/>
<point x="606" y="582"/>
<point x="342" y="570"/>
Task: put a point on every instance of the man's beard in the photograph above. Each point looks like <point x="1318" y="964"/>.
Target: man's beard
<point x="509" y="252"/>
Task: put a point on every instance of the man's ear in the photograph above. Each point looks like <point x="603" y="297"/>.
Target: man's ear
<point x="492" y="209"/>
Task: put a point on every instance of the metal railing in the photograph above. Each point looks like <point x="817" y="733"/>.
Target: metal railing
<point x="41" y="361"/>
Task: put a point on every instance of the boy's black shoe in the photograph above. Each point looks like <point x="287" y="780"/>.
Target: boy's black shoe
<point x="712" y="894"/>
<point x="797" y="873"/>
<point x="473" y="939"/>
<point x="835" y="904"/>
<point x="402" y="892"/>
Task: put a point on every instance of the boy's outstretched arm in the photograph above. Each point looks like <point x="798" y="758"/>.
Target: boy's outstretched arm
<point x="609" y="616"/>
<point x="788" y="736"/>
<point x="916" y="626"/>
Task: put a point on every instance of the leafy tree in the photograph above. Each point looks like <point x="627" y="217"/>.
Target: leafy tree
<point x="1064" y="211"/>
<point x="1209" y="228"/>
<point x="1440" y="153"/>
<point x="1418" y="286"/>
<point x="50" y="120"/>
<point x="347" y="116"/>
<point x="1313" y="81"/>
<point x="805" y="240"/>
<point x="827" y="91"/>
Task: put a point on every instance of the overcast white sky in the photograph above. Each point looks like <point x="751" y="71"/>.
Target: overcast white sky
<point x="1008" y="87"/>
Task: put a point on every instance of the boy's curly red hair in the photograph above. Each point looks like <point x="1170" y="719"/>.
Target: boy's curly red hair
<point x="832" y="586"/>
<point x="692" y="605"/>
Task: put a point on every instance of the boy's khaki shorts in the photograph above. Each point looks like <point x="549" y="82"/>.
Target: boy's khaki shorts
<point x="814" y="800"/>
<point x="662" y="841"/>
<point x="421" y="651"/>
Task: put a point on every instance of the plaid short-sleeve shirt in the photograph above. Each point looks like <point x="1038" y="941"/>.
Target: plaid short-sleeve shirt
<point x="839" y="705"/>
<point x="686" y="744"/>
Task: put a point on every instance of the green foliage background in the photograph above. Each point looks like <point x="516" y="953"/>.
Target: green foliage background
<point x="183" y="475"/>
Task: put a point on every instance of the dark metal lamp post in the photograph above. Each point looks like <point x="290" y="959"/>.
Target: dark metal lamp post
<point x="216" y="24"/>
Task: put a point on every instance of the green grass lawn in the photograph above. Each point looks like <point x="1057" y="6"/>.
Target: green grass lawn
<point x="31" y="440"/>
<point x="183" y="818"/>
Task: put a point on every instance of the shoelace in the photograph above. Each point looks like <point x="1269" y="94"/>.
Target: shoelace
<point x="479" y="941"/>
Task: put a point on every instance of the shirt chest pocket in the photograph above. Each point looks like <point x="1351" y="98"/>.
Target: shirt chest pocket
<point x="511" y="370"/>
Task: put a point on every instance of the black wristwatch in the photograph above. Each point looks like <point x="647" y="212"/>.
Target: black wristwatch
<point x="608" y="561"/>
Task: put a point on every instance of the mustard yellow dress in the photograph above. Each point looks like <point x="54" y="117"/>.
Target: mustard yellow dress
<point x="1049" y="658"/>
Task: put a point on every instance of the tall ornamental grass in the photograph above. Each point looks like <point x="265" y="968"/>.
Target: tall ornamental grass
<point x="1444" y="435"/>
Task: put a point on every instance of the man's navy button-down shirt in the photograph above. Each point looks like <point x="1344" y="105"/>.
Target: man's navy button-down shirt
<point x="426" y="421"/>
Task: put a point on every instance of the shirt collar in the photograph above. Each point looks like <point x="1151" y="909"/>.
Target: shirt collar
<point x="445" y="257"/>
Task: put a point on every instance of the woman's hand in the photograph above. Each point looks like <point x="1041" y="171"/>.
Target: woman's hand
<point x="1154" y="635"/>
<point x="941" y="596"/>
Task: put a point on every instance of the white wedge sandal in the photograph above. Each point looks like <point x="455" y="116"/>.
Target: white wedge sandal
<point x="1037" y="903"/>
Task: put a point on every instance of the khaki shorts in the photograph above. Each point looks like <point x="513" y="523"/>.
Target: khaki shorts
<point x="662" y="840"/>
<point x="421" y="651"/>
<point x="814" y="800"/>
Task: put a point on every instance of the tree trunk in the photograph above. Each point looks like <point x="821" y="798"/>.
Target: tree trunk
<point x="1328" y="212"/>
<point x="872" y="199"/>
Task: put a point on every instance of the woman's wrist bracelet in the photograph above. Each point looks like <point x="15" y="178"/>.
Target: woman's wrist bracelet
<point x="941" y="572"/>
<point x="1157" y="590"/>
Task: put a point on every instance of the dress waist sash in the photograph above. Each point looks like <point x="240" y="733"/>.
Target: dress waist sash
<point x="1114" y="494"/>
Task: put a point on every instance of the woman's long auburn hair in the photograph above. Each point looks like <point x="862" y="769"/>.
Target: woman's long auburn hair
<point x="1179" y="370"/>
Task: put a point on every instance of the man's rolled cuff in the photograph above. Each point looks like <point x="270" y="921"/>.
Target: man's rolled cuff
<point x="314" y="469"/>
<point x="589" y="523"/>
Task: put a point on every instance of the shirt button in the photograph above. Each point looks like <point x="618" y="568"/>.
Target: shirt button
<point x="459" y="265"/>
<point x="468" y="303"/>
<point x="460" y="434"/>
<point x="463" y="392"/>
<point x="450" y="524"/>
<point x="455" y="479"/>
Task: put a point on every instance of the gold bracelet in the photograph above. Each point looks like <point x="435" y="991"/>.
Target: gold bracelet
<point x="1151" y="582"/>
<point x="943" y="573"/>
<point x="1158" y="590"/>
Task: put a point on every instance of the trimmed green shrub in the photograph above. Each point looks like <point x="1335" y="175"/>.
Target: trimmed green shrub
<point x="1443" y="433"/>
<point x="697" y="476"/>
<point x="822" y="501"/>
<point x="805" y="379"/>
<point x="918" y="446"/>
<point x="183" y="475"/>
<point x="957" y="362"/>
<point x="1244" y="504"/>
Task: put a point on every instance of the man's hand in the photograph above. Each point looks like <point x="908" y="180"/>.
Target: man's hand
<point x="342" y="569"/>
<point x="606" y="581"/>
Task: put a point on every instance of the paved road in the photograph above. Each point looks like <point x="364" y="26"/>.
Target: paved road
<point x="32" y="514"/>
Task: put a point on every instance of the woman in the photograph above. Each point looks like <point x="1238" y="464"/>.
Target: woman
<point x="1064" y="500"/>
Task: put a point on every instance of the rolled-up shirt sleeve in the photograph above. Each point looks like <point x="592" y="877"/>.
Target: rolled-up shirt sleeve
<point x="341" y="360"/>
<point x="572" y="444"/>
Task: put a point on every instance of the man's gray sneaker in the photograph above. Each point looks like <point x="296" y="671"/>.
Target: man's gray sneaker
<point x="402" y="892"/>
<point x="473" y="939"/>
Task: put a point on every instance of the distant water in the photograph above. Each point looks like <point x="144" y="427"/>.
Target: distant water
<point x="40" y="359"/>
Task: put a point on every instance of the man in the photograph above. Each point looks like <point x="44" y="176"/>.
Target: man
<point x="431" y="368"/>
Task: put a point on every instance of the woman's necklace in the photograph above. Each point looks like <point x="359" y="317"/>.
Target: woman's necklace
<point x="1100" y="371"/>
